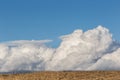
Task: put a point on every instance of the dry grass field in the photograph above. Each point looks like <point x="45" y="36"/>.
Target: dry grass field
<point x="79" y="75"/>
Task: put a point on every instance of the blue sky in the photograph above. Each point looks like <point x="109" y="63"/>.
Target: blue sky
<point x="49" y="19"/>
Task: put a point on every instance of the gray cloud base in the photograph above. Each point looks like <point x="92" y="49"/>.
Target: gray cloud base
<point x="91" y="50"/>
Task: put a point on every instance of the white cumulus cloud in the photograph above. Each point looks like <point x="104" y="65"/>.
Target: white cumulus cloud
<point x="91" y="50"/>
<point x="24" y="55"/>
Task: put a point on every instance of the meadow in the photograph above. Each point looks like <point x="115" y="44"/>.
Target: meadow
<point x="65" y="75"/>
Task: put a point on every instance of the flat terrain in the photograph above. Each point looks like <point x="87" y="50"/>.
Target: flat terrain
<point x="77" y="75"/>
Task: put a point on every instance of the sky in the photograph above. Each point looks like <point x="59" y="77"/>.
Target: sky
<point x="48" y="19"/>
<point x="26" y="26"/>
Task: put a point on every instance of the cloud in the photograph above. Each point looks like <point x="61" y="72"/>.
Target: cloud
<point x="80" y="50"/>
<point x="24" y="55"/>
<point x="110" y="61"/>
<point x="91" y="50"/>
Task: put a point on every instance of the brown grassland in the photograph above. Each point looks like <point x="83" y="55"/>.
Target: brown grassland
<point x="75" y="75"/>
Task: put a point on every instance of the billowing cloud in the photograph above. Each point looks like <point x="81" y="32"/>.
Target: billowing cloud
<point x="24" y="55"/>
<point x="91" y="50"/>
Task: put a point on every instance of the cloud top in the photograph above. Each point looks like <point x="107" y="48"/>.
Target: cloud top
<point x="91" y="50"/>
